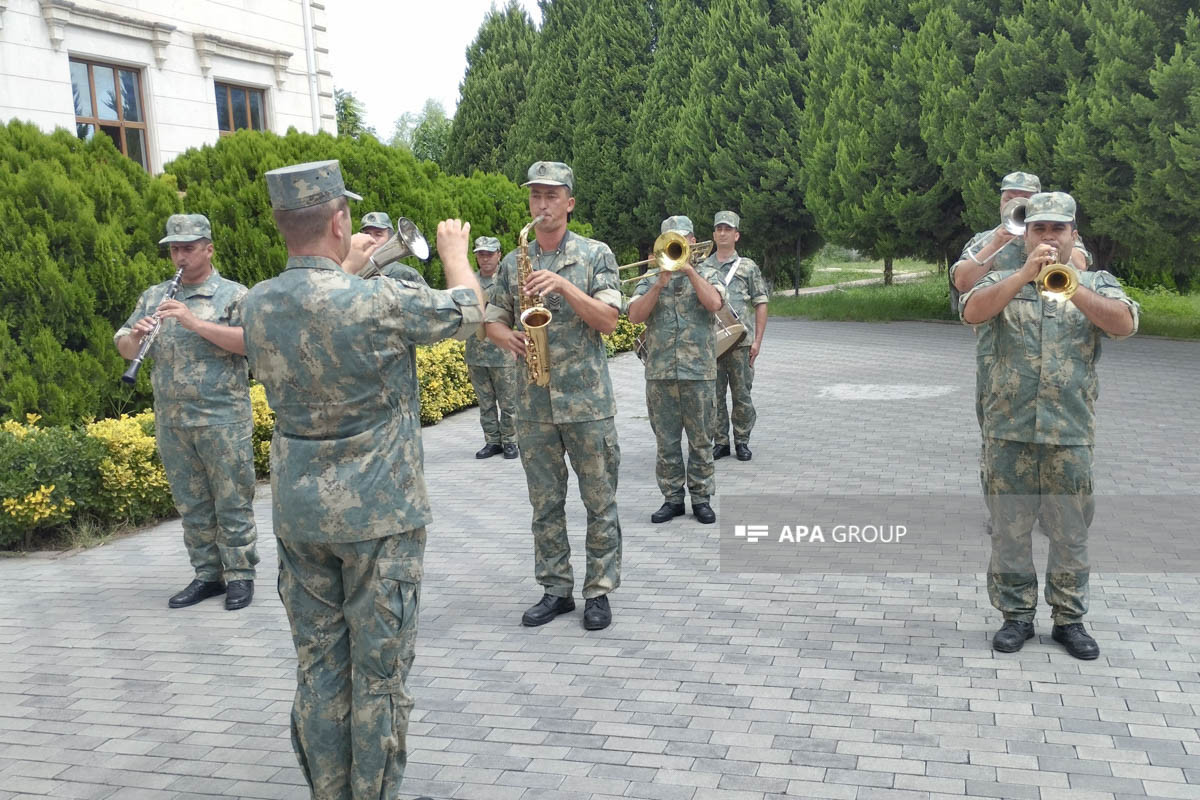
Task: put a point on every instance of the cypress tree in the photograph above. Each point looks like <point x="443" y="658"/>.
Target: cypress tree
<point x="678" y="32"/>
<point x="495" y="84"/>
<point x="614" y="57"/>
<point x="1104" y="133"/>
<point x="868" y="179"/>
<point x="1166" y="205"/>
<point x="542" y="129"/>
<point x="735" y="144"/>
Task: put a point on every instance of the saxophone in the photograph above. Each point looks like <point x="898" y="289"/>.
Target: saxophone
<point x="534" y="316"/>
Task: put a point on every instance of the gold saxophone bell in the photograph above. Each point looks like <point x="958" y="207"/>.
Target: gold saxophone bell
<point x="672" y="252"/>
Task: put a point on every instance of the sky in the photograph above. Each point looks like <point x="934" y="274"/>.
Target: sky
<point x="393" y="56"/>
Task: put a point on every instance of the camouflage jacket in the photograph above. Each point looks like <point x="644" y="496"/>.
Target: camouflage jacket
<point x="580" y="389"/>
<point x="1036" y="364"/>
<point x="480" y="350"/>
<point x="681" y="341"/>
<point x="332" y="352"/>
<point x="195" y="382"/>
<point x="746" y="290"/>
<point x="403" y="272"/>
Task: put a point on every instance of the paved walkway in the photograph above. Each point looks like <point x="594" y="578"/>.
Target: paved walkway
<point x="898" y="277"/>
<point x="708" y="686"/>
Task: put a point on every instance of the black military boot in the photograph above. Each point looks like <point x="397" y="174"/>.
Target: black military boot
<point x="704" y="513"/>
<point x="547" y="609"/>
<point x="238" y="594"/>
<point x="510" y="450"/>
<point x="720" y="451"/>
<point x="196" y="591"/>
<point x="743" y="452"/>
<point x="489" y="450"/>
<point x="1012" y="635"/>
<point x="596" y="613"/>
<point x="1075" y="638"/>
<point x="667" y="512"/>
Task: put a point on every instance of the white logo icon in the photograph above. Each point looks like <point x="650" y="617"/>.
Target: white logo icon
<point x="751" y="533"/>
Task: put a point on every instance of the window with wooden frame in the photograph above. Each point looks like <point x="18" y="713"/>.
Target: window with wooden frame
<point x="108" y="100"/>
<point x="239" y="107"/>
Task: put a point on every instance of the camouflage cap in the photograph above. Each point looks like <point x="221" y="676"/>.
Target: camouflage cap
<point x="186" y="228"/>
<point x="377" y="219"/>
<point x="550" y="173"/>
<point x="1050" y="207"/>
<point x="1021" y="182"/>
<point x="489" y="243"/>
<point x="727" y="218"/>
<point x="306" y="185"/>
<point x="678" y="224"/>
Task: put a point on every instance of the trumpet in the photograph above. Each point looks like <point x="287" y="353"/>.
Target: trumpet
<point x="1012" y="216"/>
<point x="672" y="252"/>
<point x="406" y="241"/>
<point x="1057" y="282"/>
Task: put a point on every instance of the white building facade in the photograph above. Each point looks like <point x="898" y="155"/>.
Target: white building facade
<point x="160" y="77"/>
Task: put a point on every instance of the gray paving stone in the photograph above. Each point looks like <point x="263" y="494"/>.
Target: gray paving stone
<point x="709" y="685"/>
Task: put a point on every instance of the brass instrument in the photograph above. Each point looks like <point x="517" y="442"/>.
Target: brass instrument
<point x="1057" y="282"/>
<point x="534" y="316"/>
<point x="406" y="241"/>
<point x="1012" y="216"/>
<point x="672" y="251"/>
<point x="130" y="376"/>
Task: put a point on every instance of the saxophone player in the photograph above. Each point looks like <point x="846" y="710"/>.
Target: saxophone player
<point x="574" y="414"/>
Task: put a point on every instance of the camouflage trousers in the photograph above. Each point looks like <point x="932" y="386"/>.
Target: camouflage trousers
<point x="675" y="407"/>
<point x="735" y="373"/>
<point x="1024" y="483"/>
<point x="595" y="457"/>
<point x="496" y="388"/>
<point x="353" y="612"/>
<point x="211" y="472"/>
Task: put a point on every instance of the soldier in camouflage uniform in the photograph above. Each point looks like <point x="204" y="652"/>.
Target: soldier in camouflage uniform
<point x="202" y="417"/>
<point x="574" y="415"/>
<point x="378" y="225"/>
<point x="747" y="294"/>
<point x="350" y="506"/>
<point x="681" y="372"/>
<point x="1037" y="369"/>
<point x="492" y="371"/>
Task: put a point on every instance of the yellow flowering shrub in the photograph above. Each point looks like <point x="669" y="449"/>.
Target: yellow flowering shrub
<point x="445" y="384"/>
<point x="134" y="484"/>
<point x="38" y="508"/>
<point x="264" y="427"/>
<point x="623" y="337"/>
<point x="49" y="475"/>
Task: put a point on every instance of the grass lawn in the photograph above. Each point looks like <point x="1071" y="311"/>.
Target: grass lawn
<point x="829" y="272"/>
<point x="1163" y="313"/>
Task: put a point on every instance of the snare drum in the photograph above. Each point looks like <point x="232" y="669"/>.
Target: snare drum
<point x="730" y="330"/>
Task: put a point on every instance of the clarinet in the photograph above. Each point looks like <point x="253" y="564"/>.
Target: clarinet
<point x="130" y="375"/>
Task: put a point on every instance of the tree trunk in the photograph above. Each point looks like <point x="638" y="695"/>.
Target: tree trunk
<point x="887" y="271"/>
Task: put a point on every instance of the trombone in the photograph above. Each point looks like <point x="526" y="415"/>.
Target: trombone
<point x="672" y="252"/>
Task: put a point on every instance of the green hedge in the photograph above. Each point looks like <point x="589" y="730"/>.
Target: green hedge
<point x="79" y="226"/>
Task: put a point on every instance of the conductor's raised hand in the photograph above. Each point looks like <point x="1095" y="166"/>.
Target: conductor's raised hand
<point x="361" y="248"/>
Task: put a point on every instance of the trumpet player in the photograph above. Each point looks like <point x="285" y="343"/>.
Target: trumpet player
<point x="1037" y="387"/>
<point x="681" y="376"/>
<point x="573" y="414"/>
<point x="991" y="250"/>
<point x="202" y="418"/>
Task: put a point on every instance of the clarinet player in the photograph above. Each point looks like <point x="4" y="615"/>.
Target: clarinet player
<point x="202" y="418"/>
